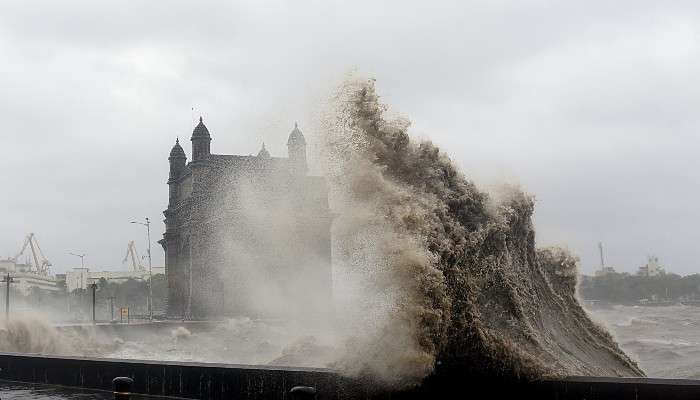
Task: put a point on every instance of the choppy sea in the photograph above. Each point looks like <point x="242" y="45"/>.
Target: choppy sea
<point x="665" y="340"/>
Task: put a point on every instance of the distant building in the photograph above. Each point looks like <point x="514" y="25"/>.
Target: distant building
<point x="603" y="271"/>
<point x="651" y="268"/>
<point x="79" y="278"/>
<point x="245" y="235"/>
<point x="24" y="279"/>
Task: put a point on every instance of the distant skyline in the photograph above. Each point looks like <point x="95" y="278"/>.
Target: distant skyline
<point x="590" y="106"/>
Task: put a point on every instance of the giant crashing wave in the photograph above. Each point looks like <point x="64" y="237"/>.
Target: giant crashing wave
<point x="465" y="282"/>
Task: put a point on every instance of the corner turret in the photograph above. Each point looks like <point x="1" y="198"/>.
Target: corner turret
<point x="296" y="147"/>
<point x="200" y="142"/>
<point x="177" y="160"/>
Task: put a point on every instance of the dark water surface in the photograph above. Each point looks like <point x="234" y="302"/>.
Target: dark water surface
<point x="17" y="390"/>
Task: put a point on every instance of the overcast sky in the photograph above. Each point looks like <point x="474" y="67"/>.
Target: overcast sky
<point x="590" y="105"/>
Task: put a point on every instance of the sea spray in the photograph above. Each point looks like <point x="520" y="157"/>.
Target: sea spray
<point x="180" y="333"/>
<point x="445" y="272"/>
<point x="34" y="334"/>
<point x="28" y="334"/>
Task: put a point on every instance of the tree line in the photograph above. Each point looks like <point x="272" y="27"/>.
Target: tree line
<point x="624" y="288"/>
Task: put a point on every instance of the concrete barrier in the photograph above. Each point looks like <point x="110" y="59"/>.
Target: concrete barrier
<point x="185" y="380"/>
<point x="223" y="381"/>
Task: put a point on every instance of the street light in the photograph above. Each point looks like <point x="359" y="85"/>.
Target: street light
<point x="147" y="224"/>
<point x="111" y="307"/>
<point x="82" y="275"/>
<point x="8" y="279"/>
<point x="82" y="258"/>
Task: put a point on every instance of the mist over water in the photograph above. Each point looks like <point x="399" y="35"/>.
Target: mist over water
<point x="427" y="268"/>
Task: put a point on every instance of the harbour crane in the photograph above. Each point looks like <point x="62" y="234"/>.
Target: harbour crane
<point x="131" y="252"/>
<point x="41" y="263"/>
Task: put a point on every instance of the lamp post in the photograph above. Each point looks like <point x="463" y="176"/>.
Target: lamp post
<point x="8" y="279"/>
<point x="82" y="259"/>
<point x="82" y="277"/>
<point x="111" y="307"/>
<point x="147" y="224"/>
<point x="93" y="287"/>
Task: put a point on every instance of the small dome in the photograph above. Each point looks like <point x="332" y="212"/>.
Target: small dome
<point x="177" y="151"/>
<point x="296" y="137"/>
<point x="263" y="152"/>
<point x="200" y="130"/>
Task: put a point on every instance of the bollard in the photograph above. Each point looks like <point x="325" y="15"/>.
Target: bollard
<point x="122" y="387"/>
<point x="303" y="393"/>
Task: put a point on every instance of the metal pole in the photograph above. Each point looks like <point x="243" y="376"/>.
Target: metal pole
<point x="111" y="306"/>
<point x="94" y="289"/>
<point x="7" y="297"/>
<point x="149" y="301"/>
<point x="150" y="271"/>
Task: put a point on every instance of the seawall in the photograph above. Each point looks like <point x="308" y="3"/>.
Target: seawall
<point x="224" y="381"/>
<point x="187" y="380"/>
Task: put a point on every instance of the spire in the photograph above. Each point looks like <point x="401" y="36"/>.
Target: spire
<point x="296" y="147"/>
<point x="200" y="130"/>
<point x="200" y="141"/>
<point x="177" y="162"/>
<point x="177" y="151"/>
<point x="263" y="152"/>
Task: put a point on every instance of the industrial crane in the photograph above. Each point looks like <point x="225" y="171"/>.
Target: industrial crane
<point x="135" y="259"/>
<point x="41" y="263"/>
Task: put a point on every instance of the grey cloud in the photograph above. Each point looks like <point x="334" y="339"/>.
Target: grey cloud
<point x="590" y="105"/>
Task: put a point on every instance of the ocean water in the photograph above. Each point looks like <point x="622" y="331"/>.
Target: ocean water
<point x="665" y="341"/>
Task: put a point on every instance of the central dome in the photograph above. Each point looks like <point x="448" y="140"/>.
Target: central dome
<point x="296" y="137"/>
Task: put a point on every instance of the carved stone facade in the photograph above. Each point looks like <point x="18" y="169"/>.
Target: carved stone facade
<point x="246" y="235"/>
